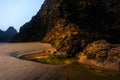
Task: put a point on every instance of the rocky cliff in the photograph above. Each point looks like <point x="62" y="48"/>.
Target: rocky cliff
<point x="6" y="36"/>
<point x="69" y="25"/>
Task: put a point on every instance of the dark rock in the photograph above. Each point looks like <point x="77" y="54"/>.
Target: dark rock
<point x="70" y="24"/>
<point x="102" y="51"/>
<point x="67" y="38"/>
<point x="97" y="49"/>
<point x="101" y="56"/>
<point x="114" y="54"/>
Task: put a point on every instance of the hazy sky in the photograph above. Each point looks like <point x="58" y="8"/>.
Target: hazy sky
<point x="17" y="12"/>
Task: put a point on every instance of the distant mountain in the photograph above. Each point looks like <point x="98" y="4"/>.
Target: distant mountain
<point x="6" y="36"/>
<point x="69" y="25"/>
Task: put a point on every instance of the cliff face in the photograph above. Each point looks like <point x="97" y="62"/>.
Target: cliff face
<point x="40" y="24"/>
<point x="6" y="36"/>
<point x="70" y="24"/>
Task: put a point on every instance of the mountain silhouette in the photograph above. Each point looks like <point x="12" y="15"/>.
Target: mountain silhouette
<point x="6" y="36"/>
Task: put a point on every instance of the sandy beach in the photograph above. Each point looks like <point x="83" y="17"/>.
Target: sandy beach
<point x="13" y="68"/>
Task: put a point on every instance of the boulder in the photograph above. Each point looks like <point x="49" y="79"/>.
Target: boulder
<point x="114" y="54"/>
<point x="97" y="49"/>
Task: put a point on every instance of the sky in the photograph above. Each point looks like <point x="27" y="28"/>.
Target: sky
<point x="17" y="12"/>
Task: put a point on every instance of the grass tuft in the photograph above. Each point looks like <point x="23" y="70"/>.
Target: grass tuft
<point x="56" y="59"/>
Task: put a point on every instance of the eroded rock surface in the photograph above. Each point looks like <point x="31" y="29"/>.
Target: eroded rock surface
<point x="69" y="25"/>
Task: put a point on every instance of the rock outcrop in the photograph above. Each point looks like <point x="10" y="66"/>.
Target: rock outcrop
<point x="102" y="54"/>
<point x="6" y="36"/>
<point x="97" y="50"/>
<point x="102" y="51"/>
<point x="69" y="25"/>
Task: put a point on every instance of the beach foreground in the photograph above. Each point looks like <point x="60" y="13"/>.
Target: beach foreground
<point x="13" y="68"/>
